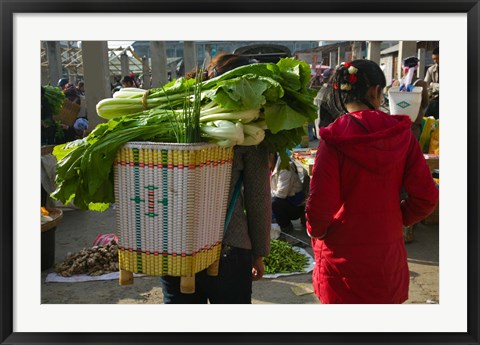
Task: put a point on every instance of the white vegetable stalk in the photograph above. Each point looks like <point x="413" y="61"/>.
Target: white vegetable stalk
<point x="260" y="123"/>
<point x="224" y="133"/>
<point x="253" y="134"/>
<point x="129" y="92"/>
<point x="250" y="141"/>
<point x="244" y="116"/>
<point x="110" y="108"/>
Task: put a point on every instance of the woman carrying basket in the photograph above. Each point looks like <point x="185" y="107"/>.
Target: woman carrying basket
<point x="247" y="236"/>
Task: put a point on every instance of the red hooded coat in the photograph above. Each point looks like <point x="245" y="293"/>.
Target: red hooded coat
<point x="354" y="213"/>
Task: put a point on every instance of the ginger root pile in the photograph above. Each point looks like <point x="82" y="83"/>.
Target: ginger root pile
<point x="93" y="261"/>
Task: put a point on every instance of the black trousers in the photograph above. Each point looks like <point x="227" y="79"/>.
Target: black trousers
<point x="233" y="285"/>
<point x="284" y="212"/>
<point x="433" y="109"/>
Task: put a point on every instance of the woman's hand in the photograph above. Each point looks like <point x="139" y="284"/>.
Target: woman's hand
<point x="257" y="268"/>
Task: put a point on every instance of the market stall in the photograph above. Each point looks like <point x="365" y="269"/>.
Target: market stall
<point x="304" y="158"/>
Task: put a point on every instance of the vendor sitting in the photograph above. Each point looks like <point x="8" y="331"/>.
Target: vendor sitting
<point x="288" y="198"/>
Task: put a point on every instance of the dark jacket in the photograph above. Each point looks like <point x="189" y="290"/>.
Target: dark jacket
<point x="249" y="227"/>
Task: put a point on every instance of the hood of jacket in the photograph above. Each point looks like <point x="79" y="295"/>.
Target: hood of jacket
<point x="377" y="150"/>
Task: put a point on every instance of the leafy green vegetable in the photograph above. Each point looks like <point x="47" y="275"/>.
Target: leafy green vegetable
<point x="272" y="98"/>
<point x="85" y="166"/>
<point x="284" y="259"/>
<point x="55" y="98"/>
<point x="280" y="91"/>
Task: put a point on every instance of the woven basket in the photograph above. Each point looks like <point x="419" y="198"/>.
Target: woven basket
<point x="57" y="215"/>
<point x="171" y="202"/>
<point x="68" y="113"/>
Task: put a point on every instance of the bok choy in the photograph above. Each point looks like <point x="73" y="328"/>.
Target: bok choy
<point x="260" y="103"/>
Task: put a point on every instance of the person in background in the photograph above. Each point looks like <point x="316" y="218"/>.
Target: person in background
<point x="63" y="83"/>
<point x="326" y="76"/>
<point x="48" y="127"/>
<point x="116" y="85"/>
<point x="80" y="126"/>
<point x="128" y="81"/>
<point x="326" y="112"/>
<point x="116" y="88"/>
<point x="71" y="93"/>
<point x="355" y="215"/>
<point x="81" y="88"/>
<point x="410" y="80"/>
<point x="83" y="101"/>
<point x="247" y="236"/>
<point x="432" y="78"/>
<point x="288" y="198"/>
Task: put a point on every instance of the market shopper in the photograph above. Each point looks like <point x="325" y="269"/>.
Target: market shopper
<point x="63" y="83"/>
<point x="354" y="212"/>
<point x="432" y="78"/>
<point x="288" y="198"/>
<point x="72" y="93"/>
<point x="326" y="111"/>
<point x="128" y="81"/>
<point x="81" y="87"/>
<point x="70" y="90"/>
<point x="410" y="80"/>
<point x="247" y="237"/>
<point x="49" y="126"/>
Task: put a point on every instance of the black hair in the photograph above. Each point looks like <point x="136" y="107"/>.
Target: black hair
<point x="410" y="61"/>
<point x="435" y="51"/>
<point x="127" y="79"/>
<point x="349" y="85"/>
<point x="62" y="82"/>
<point x="225" y="62"/>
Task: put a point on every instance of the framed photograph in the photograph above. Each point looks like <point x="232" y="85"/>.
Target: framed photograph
<point x="26" y="24"/>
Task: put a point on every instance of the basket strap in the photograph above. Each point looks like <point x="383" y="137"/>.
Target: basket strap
<point x="358" y="122"/>
<point x="233" y="201"/>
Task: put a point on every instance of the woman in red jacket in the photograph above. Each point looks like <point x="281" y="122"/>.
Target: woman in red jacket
<point x="354" y="213"/>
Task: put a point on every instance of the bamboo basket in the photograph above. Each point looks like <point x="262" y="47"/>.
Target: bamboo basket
<point x="171" y="202"/>
<point x="48" y="230"/>
<point x="56" y="215"/>
<point x="69" y="112"/>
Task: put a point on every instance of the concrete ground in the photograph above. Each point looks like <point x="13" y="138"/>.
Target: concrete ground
<point x="78" y="229"/>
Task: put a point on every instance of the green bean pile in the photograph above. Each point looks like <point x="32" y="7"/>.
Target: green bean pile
<point x="283" y="259"/>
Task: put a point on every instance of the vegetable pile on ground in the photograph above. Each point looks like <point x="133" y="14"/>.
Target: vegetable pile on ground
<point x="284" y="259"/>
<point x="93" y="261"/>
<point x="248" y="105"/>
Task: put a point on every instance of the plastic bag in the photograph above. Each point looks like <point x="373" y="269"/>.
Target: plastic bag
<point x="427" y="129"/>
<point x="275" y="231"/>
<point x="435" y="139"/>
<point x="104" y="239"/>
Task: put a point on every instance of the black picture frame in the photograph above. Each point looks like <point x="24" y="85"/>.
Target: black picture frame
<point x="10" y="7"/>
